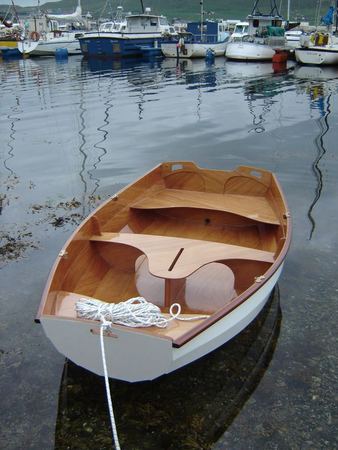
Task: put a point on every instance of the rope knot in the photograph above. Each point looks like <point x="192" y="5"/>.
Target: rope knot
<point x="105" y="323"/>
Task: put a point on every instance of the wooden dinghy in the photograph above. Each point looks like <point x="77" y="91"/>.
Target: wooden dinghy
<point x="213" y="241"/>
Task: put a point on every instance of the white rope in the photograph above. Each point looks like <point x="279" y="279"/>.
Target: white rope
<point x="135" y="312"/>
<point x="105" y="325"/>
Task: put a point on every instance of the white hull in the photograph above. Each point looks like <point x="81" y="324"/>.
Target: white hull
<point x="48" y="47"/>
<point x="249" y="51"/>
<point x="327" y="55"/>
<point x="192" y="50"/>
<point x="27" y="47"/>
<point x="135" y="356"/>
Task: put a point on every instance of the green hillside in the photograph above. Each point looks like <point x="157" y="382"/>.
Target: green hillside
<point x="187" y="9"/>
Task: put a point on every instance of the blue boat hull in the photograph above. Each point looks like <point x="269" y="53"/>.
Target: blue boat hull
<point x="10" y="53"/>
<point x="110" y="47"/>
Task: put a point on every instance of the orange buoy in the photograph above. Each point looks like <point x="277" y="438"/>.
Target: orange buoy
<point x="35" y="36"/>
<point x="280" y="56"/>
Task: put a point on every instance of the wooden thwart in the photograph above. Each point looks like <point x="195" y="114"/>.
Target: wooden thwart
<point x="166" y="258"/>
<point x="253" y="207"/>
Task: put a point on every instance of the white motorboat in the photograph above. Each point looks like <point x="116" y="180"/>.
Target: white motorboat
<point x="241" y="29"/>
<point x="264" y="36"/>
<point x="249" y="49"/>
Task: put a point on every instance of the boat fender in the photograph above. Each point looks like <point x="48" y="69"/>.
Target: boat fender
<point x="210" y="55"/>
<point x="35" y="36"/>
<point x="180" y="44"/>
<point x="61" y="53"/>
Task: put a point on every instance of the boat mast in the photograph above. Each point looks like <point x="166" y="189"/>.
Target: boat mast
<point x="15" y="11"/>
<point x="273" y="6"/>
<point x="202" y="18"/>
<point x="253" y="12"/>
<point x="142" y="6"/>
<point x="288" y="11"/>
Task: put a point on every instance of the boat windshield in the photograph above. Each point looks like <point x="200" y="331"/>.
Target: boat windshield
<point x="241" y="29"/>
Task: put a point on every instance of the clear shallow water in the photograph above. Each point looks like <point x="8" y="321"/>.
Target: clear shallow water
<point x="72" y="133"/>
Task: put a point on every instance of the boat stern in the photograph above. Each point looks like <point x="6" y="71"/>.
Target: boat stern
<point x="130" y="356"/>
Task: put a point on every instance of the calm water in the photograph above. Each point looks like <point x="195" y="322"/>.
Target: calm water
<point x="74" y="132"/>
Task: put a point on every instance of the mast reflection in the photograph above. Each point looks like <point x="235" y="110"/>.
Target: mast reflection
<point x="323" y="124"/>
<point x="317" y="85"/>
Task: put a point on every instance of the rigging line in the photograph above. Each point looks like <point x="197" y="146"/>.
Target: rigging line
<point x="319" y="142"/>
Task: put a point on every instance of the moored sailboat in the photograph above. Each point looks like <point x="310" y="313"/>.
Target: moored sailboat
<point x="320" y="48"/>
<point x="52" y="36"/>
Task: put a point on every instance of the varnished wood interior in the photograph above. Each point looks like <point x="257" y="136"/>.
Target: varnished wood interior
<point x="180" y="233"/>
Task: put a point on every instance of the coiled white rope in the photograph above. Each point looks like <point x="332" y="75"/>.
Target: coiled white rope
<point x="135" y="312"/>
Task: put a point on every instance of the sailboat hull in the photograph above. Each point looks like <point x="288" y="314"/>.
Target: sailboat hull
<point x="319" y="56"/>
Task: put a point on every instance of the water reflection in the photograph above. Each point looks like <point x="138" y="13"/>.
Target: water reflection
<point x="259" y="92"/>
<point x="10" y="153"/>
<point x="188" y="409"/>
<point x="198" y="75"/>
<point x="319" y="92"/>
<point x="194" y="73"/>
<point x="323" y="124"/>
<point x="99" y="65"/>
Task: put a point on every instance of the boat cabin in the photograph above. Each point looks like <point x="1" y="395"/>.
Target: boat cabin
<point x="148" y="23"/>
<point x="210" y="32"/>
<point x="265" y="25"/>
<point x="241" y="29"/>
<point x="112" y="27"/>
